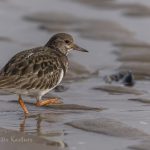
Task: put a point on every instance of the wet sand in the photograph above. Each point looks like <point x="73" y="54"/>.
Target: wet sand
<point x="95" y="114"/>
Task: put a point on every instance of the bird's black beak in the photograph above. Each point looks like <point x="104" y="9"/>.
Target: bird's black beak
<point x="78" y="48"/>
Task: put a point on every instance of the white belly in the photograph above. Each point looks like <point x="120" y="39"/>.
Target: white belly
<point x="48" y="90"/>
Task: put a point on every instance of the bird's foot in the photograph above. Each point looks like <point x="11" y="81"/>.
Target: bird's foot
<point x="23" y="106"/>
<point x="52" y="101"/>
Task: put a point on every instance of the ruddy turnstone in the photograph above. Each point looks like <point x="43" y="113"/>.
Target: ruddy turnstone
<point x="37" y="71"/>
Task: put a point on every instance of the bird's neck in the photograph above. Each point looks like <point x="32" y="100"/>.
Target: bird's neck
<point x="58" y="47"/>
<point x="60" y="50"/>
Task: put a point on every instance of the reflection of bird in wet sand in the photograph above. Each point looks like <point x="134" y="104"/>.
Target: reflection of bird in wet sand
<point x="54" y="136"/>
<point x="37" y="71"/>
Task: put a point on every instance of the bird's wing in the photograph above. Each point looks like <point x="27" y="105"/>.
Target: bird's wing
<point x="35" y="68"/>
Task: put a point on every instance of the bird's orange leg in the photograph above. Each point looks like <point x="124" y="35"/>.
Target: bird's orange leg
<point x="46" y="102"/>
<point x="23" y="106"/>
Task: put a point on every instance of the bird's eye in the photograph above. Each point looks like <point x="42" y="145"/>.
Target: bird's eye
<point x="67" y="41"/>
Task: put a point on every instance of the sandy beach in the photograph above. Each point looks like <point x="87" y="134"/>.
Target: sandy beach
<point x="96" y="114"/>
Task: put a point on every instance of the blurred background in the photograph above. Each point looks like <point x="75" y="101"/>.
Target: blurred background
<point x="117" y="35"/>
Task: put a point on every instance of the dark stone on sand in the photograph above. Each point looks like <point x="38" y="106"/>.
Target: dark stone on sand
<point x="125" y="77"/>
<point x="128" y="79"/>
<point x="108" y="127"/>
<point x="116" y="89"/>
<point x="114" y="77"/>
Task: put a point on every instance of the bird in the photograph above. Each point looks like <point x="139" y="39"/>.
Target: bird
<point x="35" y="72"/>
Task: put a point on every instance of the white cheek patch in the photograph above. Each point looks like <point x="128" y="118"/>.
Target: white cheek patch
<point x="68" y="47"/>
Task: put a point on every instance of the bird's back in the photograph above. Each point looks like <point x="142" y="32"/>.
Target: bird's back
<point x="38" y="68"/>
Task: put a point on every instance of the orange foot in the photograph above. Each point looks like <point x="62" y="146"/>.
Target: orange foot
<point x="23" y="106"/>
<point x="52" y="101"/>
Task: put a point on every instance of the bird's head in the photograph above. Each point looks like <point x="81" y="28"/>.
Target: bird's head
<point x="64" y="43"/>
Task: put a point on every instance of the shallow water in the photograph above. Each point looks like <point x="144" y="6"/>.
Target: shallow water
<point x="51" y="123"/>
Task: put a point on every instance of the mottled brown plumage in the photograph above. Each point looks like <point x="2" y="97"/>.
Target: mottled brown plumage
<point x="36" y="68"/>
<point x="36" y="71"/>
